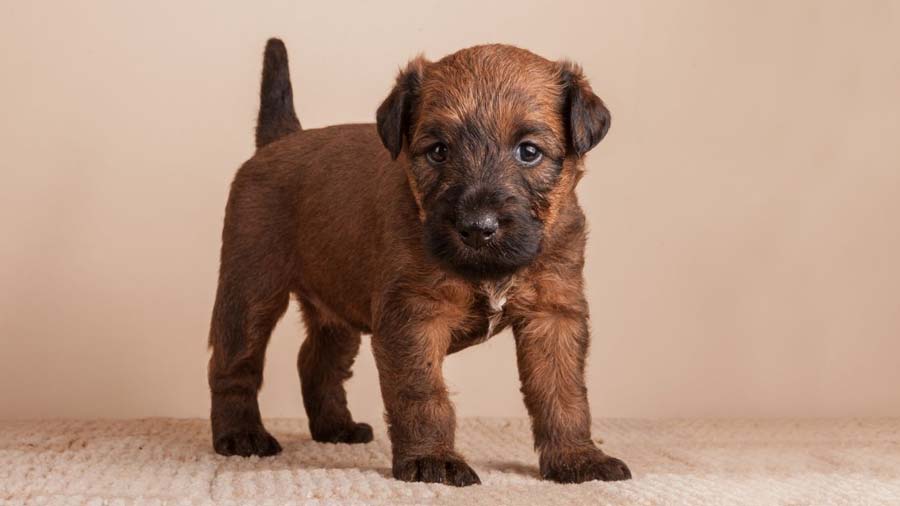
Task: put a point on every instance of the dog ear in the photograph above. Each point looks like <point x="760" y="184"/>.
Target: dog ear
<point x="586" y="116"/>
<point x="394" y="116"/>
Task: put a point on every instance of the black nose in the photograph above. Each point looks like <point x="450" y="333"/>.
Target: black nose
<point x="478" y="228"/>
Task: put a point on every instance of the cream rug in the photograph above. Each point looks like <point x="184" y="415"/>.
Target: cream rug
<point x="165" y="461"/>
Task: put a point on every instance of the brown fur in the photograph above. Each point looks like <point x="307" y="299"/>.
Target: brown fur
<point x="360" y="236"/>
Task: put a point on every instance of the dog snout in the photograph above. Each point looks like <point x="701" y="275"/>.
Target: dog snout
<point x="478" y="228"/>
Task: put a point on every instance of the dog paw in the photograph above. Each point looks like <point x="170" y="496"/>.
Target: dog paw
<point x="448" y="470"/>
<point x="584" y="466"/>
<point x="246" y="443"/>
<point x="354" y="433"/>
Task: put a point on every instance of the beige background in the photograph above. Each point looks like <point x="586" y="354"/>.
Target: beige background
<point x="744" y="208"/>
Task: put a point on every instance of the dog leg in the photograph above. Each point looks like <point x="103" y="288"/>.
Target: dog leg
<point x="421" y="421"/>
<point x="324" y="363"/>
<point x="551" y="346"/>
<point x="243" y="319"/>
<point x="253" y="294"/>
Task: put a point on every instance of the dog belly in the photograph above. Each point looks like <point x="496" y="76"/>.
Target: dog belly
<point x="336" y="281"/>
<point x="329" y="275"/>
<point x="350" y="317"/>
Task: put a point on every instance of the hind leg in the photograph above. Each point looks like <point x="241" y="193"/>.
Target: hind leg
<point x="244" y="316"/>
<point x="324" y="363"/>
<point x="253" y="294"/>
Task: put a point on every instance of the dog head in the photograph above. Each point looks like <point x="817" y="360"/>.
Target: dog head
<point x="494" y="137"/>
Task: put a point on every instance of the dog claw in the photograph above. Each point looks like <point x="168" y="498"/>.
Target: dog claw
<point x="355" y="433"/>
<point x="447" y="470"/>
<point x="246" y="443"/>
<point x="585" y="466"/>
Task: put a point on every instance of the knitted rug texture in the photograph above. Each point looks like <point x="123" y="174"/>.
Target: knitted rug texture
<point x="674" y="462"/>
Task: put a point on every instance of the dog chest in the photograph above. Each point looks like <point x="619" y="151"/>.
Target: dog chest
<point x="488" y="315"/>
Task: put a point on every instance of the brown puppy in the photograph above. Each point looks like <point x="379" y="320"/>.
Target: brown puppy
<point x="466" y="224"/>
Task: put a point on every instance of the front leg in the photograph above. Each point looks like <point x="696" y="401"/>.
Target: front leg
<point x="551" y="346"/>
<point x="409" y="352"/>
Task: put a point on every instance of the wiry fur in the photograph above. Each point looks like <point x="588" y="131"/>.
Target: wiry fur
<point x="364" y="238"/>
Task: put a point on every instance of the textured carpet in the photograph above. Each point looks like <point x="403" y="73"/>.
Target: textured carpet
<point x="680" y="462"/>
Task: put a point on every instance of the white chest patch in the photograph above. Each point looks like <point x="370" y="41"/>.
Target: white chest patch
<point x="496" y="294"/>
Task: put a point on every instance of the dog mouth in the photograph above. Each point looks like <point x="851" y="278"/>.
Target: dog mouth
<point x="468" y="253"/>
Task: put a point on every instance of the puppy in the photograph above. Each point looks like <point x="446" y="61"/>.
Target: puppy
<point x="450" y="219"/>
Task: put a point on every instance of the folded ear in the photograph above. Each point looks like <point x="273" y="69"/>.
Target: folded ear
<point x="394" y="116"/>
<point x="586" y="117"/>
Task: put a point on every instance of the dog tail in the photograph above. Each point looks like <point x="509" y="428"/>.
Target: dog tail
<point x="276" y="98"/>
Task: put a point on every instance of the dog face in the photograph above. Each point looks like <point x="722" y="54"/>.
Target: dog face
<point x="494" y="137"/>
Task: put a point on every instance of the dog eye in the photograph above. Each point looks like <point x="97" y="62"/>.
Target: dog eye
<point x="528" y="154"/>
<point x="437" y="154"/>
